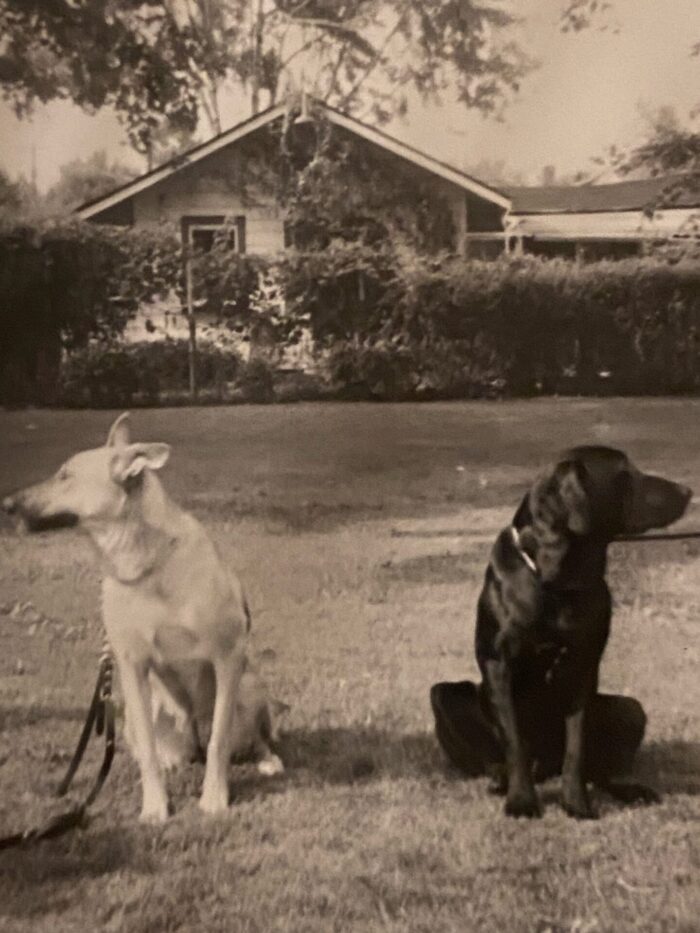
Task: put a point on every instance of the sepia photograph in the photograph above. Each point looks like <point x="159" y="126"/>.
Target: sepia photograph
<point x="350" y="466"/>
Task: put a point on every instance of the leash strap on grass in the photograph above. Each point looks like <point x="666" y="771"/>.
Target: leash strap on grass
<point x="100" y="717"/>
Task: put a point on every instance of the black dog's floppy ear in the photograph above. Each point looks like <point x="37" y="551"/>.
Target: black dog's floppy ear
<point x="570" y="474"/>
<point x="560" y="499"/>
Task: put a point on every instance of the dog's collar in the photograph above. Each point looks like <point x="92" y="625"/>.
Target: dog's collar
<point x="515" y="536"/>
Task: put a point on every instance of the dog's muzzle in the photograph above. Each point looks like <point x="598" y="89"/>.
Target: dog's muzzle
<point x="656" y="503"/>
<point x="27" y="519"/>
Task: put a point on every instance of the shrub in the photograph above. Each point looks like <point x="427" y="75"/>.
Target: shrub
<point x="255" y="382"/>
<point x="118" y="375"/>
<point x="442" y="327"/>
<point x="64" y="284"/>
<point x="389" y="322"/>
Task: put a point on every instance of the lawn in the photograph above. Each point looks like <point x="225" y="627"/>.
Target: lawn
<point x="368" y="829"/>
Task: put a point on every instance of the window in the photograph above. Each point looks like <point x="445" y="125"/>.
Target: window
<point x="202" y="237"/>
<point x="200" y="231"/>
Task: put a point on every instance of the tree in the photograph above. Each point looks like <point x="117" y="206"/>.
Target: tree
<point x="19" y="200"/>
<point x="10" y="197"/>
<point x="167" y="142"/>
<point x="156" y="60"/>
<point x="83" y="180"/>
<point x="582" y="14"/>
<point x="120" y="53"/>
<point x="670" y="147"/>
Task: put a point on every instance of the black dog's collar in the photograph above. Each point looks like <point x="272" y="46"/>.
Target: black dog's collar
<point x="515" y="536"/>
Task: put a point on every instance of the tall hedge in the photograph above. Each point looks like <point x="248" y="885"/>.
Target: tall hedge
<point x="401" y="325"/>
<point x="63" y="284"/>
<point x="387" y="322"/>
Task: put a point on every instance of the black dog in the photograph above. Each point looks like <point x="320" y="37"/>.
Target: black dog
<point x="543" y="620"/>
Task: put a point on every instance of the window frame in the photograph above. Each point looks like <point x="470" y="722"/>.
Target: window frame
<point x="192" y="223"/>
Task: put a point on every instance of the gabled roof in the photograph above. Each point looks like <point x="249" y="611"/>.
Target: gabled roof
<point x="371" y="134"/>
<point x="633" y="195"/>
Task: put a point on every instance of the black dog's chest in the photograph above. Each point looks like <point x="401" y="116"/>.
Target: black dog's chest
<point x="571" y="620"/>
<point x="554" y="644"/>
<point x="571" y="629"/>
<point x="548" y="663"/>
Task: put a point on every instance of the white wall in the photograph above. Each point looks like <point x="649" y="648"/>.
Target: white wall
<point x="211" y="190"/>
<point x="603" y="224"/>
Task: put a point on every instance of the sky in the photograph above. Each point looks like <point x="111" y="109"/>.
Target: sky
<point x="588" y="93"/>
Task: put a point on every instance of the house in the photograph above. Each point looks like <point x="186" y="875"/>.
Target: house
<point x="200" y="188"/>
<point x="600" y="221"/>
<point x="229" y="180"/>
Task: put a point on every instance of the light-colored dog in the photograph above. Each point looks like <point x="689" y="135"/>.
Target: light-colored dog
<point x="176" y="617"/>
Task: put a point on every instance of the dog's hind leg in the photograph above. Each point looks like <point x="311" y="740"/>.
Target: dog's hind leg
<point x="177" y="740"/>
<point x="616" y="729"/>
<point x="269" y="763"/>
<point x="463" y="730"/>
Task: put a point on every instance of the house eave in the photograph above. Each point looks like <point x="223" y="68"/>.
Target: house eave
<point x="103" y="203"/>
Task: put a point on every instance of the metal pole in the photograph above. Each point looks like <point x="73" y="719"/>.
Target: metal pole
<point x="192" y="330"/>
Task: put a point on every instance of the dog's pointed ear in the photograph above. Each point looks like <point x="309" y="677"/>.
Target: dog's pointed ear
<point x="120" y="432"/>
<point x="570" y="476"/>
<point x="134" y="459"/>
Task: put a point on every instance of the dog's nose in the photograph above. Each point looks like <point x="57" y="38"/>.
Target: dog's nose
<point x="9" y="504"/>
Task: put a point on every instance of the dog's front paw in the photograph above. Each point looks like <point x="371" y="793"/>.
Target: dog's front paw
<point x="523" y="803"/>
<point x="270" y="766"/>
<point x="154" y="807"/>
<point x="154" y="812"/>
<point x="577" y="803"/>
<point x="498" y="781"/>
<point x="214" y="799"/>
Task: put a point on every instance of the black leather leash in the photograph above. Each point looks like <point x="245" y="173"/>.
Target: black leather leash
<point x="490" y="535"/>
<point x="100" y="719"/>
<point x="672" y="536"/>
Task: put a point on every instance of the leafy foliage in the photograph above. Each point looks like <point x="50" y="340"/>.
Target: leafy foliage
<point x="129" y="55"/>
<point x="577" y="15"/>
<point x="387" y="320"/>
<point x="10" y="196"/>
<point x="431" y="327"/>
<point x="164" y="62"/>
<point x="114" y="374"/>
<point x="63" y="284"/>
<point x="345" y="191"/>
<point x="83" y="180"/>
